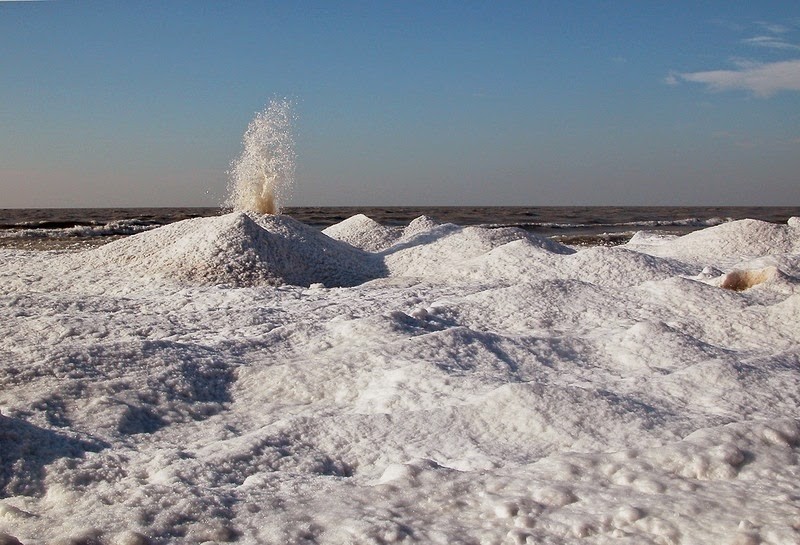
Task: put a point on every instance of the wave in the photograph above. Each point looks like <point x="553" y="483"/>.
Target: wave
<point x="643" y="224"/>
<point x="56" y="229"/>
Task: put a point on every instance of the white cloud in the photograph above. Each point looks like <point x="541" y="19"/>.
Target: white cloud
<point x="729" y="25"/>
<point x="762" y="80"/>
<point x="770" y="41"/>
<point x="774" y="28"/>
<point x="673" y="78"/>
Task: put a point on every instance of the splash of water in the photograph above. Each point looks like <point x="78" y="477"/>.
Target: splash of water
<point x="261" y="177"/>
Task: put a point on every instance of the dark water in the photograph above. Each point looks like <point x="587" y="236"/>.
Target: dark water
<point x="65" y="228"/>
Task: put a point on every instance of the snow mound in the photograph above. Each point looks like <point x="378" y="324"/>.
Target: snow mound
<point x="726" y="244"/>
<point x="649" y="238"/>
<point x="364" y="233"/>
<point x="422" y="224"/>
<point x="619" y="267"/>
<point x="239" y="249"/>
<point x="616" y="267"/>
<point x="429" y="249"/>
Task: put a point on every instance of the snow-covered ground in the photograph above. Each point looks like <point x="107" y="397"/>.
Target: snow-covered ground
<point x="248" y="379"/>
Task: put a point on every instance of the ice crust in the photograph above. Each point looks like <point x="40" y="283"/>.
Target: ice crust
<point x="249" y="379"/>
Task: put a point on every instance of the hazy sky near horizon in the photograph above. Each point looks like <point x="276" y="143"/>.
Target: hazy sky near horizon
<point x="404" y="103"/>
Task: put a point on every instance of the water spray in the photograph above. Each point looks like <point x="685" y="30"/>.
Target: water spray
<point x="261" y="177"/>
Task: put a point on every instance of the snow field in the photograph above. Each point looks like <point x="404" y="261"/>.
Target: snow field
<point x="247" y="379"/>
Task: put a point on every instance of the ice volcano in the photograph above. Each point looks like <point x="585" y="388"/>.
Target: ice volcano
<point x="254" y="245"/>
<point x="240" y="249"/>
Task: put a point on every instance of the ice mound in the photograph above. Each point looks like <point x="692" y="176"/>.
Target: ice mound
<point x="642" y="239"/>
<point x="364" y="233"/>
<point x="430" y="249"/>
<point x="530" y="259"/>
<point x="239" y="249"/>
<point x="423" y="224"/>
<point x="551" y="306"/>
<point x="621" y="267"/>
<point x="726" y="244"/>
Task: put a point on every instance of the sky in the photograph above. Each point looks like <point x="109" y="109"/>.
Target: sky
<point x="536" y="103"/>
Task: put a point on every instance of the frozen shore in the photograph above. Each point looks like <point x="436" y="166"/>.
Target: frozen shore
<point x="248" y="379"/>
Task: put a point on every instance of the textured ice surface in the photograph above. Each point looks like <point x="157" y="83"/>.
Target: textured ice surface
<point x="248" y="379"/>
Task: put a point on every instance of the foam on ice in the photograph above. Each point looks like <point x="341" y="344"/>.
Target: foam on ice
<point x="249" y="379"/>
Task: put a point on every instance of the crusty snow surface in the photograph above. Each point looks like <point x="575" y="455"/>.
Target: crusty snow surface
<point x="248" y="379"/>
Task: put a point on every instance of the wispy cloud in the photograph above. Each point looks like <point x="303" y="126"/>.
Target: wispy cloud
<point x="727" y="24"/>
<point x="772" y="35"/>
<point x="773" y="28"/>
<point x="673" y="78"/>
<point x="763" y="80"/>
<point x="771" y="42"/>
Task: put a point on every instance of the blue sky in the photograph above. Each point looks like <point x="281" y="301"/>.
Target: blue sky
<point x="404" y="103"/>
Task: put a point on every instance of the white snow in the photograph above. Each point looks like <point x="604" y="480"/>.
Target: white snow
<point x="240" y="249"/>
<point x="365" y="233"/>
<point x="736" y="240"/>
<point x="248" y="379"/>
